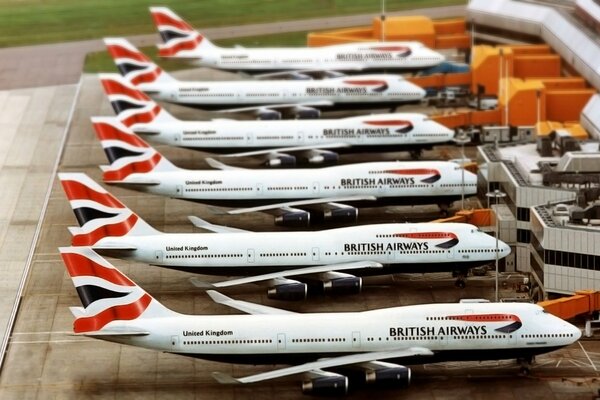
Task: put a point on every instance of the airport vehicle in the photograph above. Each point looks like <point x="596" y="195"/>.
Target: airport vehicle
<point x="379" y="343"/>
<point x="181" y="41"/>
<point x="109" y="226"/>
<point x="264" y="97"/>
<point x="133" y="163"/>
<point x="314" y="141"/>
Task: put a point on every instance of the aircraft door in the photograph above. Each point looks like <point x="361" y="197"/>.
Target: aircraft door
<point x="450" y="253"/>
<point x="158" y="256"/>
<point x="315" y="254"/>
<point x="300" y="137"/>
<point x="179" y="190"/>
<point x="356" y="339"/>
<point x="280" y="341"/>
<point x="316" y="187"/>
<point x="250" y="256"/>
<point x="249" y="138"/>
<point x="259" y="189"/>
<point x="174" y="342"/>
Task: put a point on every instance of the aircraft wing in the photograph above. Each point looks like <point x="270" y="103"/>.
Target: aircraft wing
<point x="297" y="203"/>
<point x="309" y="73"/>
<point x="219" y="165"/>
<point x="200" y="223"/>
<point x="324" y="363"/>
<point x="288" y="273"/>
<point x="320" y="103"/>
<point x="287" y="149"/>
<point x="245" y="306"/>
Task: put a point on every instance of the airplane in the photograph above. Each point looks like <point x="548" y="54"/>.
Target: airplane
<point x="181" y="41"/>
<point x="135" y="164"/>
<point x="316" y="141"/>
<point x="277" y="258"/>
<point x="301" y="97"/>
<point x="318" y="346"/>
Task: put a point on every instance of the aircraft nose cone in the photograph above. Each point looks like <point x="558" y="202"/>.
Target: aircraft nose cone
<point x="504" y="249"/>
<point x="576" y="333"/>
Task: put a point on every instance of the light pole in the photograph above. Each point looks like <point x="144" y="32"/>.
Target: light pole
<point x="462" y="139"/>
<point x="497" y="194"/>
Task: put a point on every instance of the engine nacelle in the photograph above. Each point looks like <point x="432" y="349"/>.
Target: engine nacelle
<point x="307" y="113"/>
<point x="293" y="218"/>
<point x="397" y="377"/>
<point x="326" y="386"/>
<point x="288" y="291"/>
<point x="268" y="115"/>
<point x="346" y="285"/>
<point x="281" y="160"/>
<point x="341" y="214"/>
<point x="323" y="157"/>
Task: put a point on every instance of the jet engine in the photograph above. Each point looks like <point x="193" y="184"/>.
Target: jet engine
<point x="337" y="212"/>
<point x="335" y="385"/>
<point x="338" y="283"/>
<point x="389" y="375"/>
<point x="288" y="291"/>
<point x="293" y="217"/>
<point x="280" y="160"/>
<point x="266" y="114"/>
<point x="306" y="113"/>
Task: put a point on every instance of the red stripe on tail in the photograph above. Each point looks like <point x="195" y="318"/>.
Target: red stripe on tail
<point x="141" y="117"/>
<point x="112" y="87"/>
<point x="78" y="191"/>
<point x="79" y="265"/>
<point x="106" y="131"/>
<point x="116" y="229"/>
<point x="125" y="312"/>
<point x="118" y="51"/>
<point x="146" y="77"/>
<point x="184" y="45"/>
<point x="163" y="19"/>
<point x="134" y="167"/>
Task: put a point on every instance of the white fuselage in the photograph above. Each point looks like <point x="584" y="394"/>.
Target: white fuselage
<point x="343" y="57"/>
<point x="397" y="182"/>
<point x="462" y="331"/>
<point x="391" y="131"/>
<point x="362" y="91"/>
<point x="406" y="247"/>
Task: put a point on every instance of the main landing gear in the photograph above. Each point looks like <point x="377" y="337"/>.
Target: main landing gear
<point x="525" y="365"/>
<point x="415" y="154"/>
<point x="444" y="207"/>
<point x="461" y="279"/>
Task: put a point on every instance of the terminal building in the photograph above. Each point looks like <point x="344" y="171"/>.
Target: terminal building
<point x="551" y="213"/>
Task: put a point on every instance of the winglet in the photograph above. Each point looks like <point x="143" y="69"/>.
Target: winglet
<point x="225" y="379"/>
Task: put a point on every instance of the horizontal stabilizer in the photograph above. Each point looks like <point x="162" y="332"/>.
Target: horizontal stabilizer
<point x="202" y="224"/>
<point x="115" y="332"/>
<point x="114" y="246"/>
<point x="320" y="103"/>
<point x="245" y="306"/>
<point x="77" y="311"/>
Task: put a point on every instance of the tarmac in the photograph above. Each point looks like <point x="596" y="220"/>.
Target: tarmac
<point x="44" y="360"/>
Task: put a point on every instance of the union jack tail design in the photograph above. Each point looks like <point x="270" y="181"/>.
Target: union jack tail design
<point x="131" y="105"/>
<point x="110" y="300"/>
<point x="135" y="66"/>
<point x="181" y="40"/>
<point x="98" y="212"/>
<point x="127" y="153"/>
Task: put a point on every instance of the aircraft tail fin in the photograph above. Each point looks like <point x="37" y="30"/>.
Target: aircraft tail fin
<point x="180" y="38"/>
<point x="111" y="301"/>
<point x="128" y="154"/>
<point x="134" y="65"/>
<point x="98" y="212"/>
<point x="131" y="105"/>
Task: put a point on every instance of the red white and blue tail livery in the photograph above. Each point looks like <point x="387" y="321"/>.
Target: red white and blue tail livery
<point x="377" y="343"/>
<point x="181" y="41"/>
<point x="135" y="164"/>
